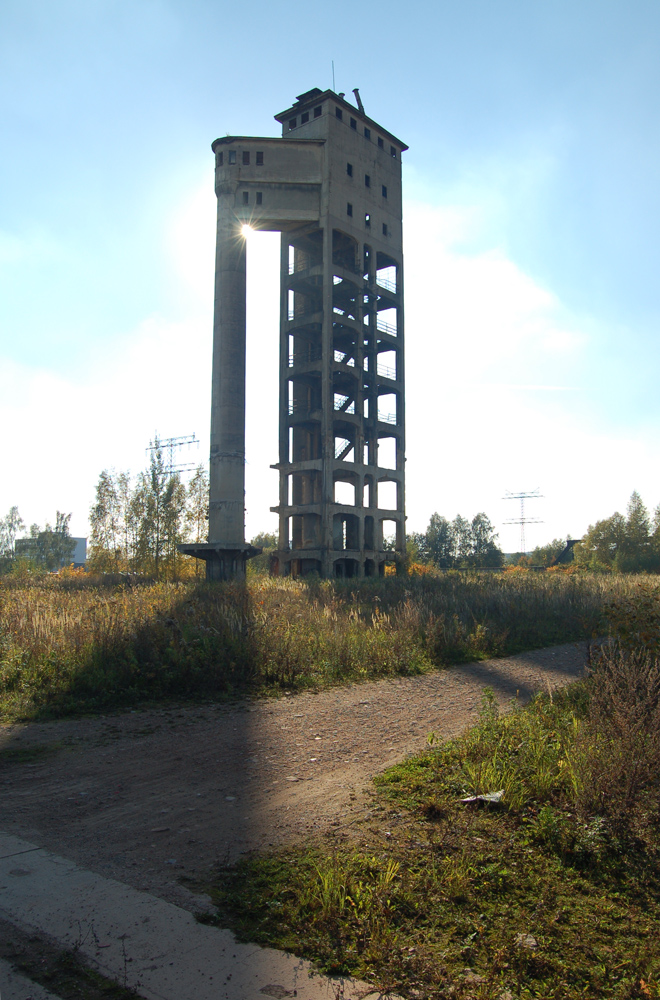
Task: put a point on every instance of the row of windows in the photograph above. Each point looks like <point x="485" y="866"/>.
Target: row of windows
<point x="367" y="180"/>
<point x="367" y="219"/>
<point x="259" y="197"/>
<point x="231" y="158"/>
<point x="318" y="111"/>
<point x="367" y="131"/>
<point x="304" y="118"/>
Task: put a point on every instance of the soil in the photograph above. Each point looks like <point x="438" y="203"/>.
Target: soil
<point x="159" y="796"/>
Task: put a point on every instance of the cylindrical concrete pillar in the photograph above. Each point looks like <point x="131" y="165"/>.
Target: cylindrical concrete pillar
<point x="227" y="465"/>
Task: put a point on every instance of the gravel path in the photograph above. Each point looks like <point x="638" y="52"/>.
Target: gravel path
<point x="150" y="796"/>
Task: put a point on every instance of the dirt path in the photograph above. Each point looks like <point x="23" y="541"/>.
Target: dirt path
<point x="150" y="796"/>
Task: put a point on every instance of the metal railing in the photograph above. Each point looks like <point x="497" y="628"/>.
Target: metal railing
<point x="304" y="266"/>
<point x="303" y="408"/>
<point x="302" y="357"/>
<point x="342" y="405"/>
<point x="385" y="327"/>
<point x="342" y="450"/>
<point x="387" y="418"/>
<point x="385" y="372"/>
<point x="388" y="283"/>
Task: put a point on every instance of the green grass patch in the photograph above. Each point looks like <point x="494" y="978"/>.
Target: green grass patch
<point x="554" y="893"/>
<point x="76" y="645"/>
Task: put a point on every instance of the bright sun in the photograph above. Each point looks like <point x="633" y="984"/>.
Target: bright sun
<point x="246" y="230"/>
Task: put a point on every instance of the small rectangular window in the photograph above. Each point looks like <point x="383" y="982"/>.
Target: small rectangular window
<point x="304" y="118"/>
<point x="367" y="220"/>
<point x="232" y="157"/>
<point x="367" y="180"/>
<point x="318" y="111"/>
<point x="260" y="197"/>
<point x="393" y="151"/>
<point x="221" y="159"/>
<point x="349" y="209"/>
<point x="349" y="169"/>
<point x="367" y="133"/>
<point x="353" y="123"/>
<point x="260" y="159"/>
<point x="246" y="158"/>
<point x="339" y="113"/>
<point x="246" y="197"/>
<point x="293" y="122"/>
<point x="381" y="144"/>
<point x="384" y="229"/>
<point x="384" y="191"/>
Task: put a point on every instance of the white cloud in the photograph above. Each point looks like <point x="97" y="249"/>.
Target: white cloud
<point x="495" y="394"/>
<point x="65" y="430"/>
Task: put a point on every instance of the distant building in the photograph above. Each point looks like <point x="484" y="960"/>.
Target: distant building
<point x="32" y="548"/>
<point x="80" y="552"/>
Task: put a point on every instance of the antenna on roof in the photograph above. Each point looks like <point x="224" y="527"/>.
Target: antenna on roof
<point x="333" y="75"/>
<point x="359" y="100"/>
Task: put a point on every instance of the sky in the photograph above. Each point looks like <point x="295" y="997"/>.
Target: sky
<point x="531" y="239"/>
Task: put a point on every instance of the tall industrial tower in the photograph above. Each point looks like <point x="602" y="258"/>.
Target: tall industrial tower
<point x="332" y="186"/>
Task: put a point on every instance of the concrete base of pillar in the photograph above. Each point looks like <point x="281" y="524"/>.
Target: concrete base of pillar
<point x="223" y="562"/>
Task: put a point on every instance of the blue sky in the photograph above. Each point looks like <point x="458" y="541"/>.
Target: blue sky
<point x="532" y="222"/>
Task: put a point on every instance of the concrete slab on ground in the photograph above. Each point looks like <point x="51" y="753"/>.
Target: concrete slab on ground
<point x="145" y="943"/>
<point x="14" y="986"/>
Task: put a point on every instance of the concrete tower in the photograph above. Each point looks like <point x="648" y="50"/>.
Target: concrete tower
<point x="332" y="186"/>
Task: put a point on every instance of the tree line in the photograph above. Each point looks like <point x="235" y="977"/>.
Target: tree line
<point x="627" y="543"/>
<point x="457" y="544"/>
<point x="137" y="524"/>
<point x="49" y="548"/>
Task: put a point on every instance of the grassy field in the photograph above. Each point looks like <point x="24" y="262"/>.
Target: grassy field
<point x="72" y="644"/>
<point x="552" y="893"/>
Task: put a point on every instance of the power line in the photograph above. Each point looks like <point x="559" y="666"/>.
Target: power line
<point x="522" y="520"/>
<point x="169" y="445"/>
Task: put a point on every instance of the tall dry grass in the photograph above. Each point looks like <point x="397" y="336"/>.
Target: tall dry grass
<point x="78" y="644"/>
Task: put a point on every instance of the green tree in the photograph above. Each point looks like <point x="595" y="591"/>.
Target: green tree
<point x="459" y="543"/>
<point x="546" y="555"/>
<point x="484" y="551"/>
<point x="174" y="525"/>
<point x="156" y="513"/>
<point x="267" y="542"/>
<point x="104" y="521"/>
<point x="439" y="545"/>
<point x="63" y="545"/>
<point x="629" y="544"/>
<point x="416" y="547"/>
<point x="635" y="553"/>
<point x="655" y="534"/>
<point x="603" y="540"/>
<point x="197" y="506"/>
<point x="9" y="529"/>
<point x="48" y="548"/>
<point x="462" y="533"/>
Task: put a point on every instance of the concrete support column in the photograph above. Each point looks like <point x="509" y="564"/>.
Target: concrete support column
<point x="226" y="551"/>
<point x="227" y="465"/>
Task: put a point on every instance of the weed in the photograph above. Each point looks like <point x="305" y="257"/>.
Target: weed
<point x="85" y="645"/>
<point x="554" y="894"/>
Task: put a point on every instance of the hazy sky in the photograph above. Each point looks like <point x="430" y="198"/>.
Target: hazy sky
<point x="531" y="232"/>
